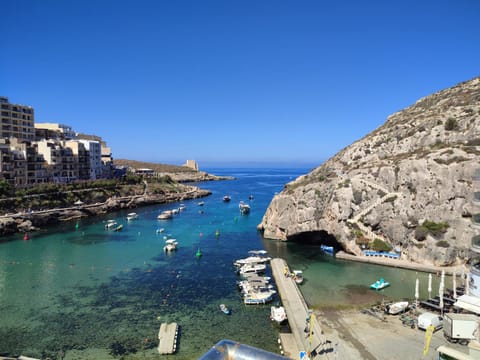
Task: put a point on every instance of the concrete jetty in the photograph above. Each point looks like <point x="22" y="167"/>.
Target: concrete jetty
<point x="167" y="338"/>
<point x="311" y="341"/>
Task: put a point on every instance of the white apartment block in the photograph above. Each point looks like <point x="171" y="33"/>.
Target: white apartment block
<point x="94" y="149"/>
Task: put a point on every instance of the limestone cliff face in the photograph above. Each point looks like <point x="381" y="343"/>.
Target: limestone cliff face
<point x="408" y="183"/>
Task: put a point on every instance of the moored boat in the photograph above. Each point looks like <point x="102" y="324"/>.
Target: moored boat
<point x="379" y="284"/>
<point x="132" y="216"/>
<point x="329" y="250"/>
<point x="226" y="198"/>
<point x="297" y="276"/>
<point x="258" y="297"/>
<point x="244" y="208"/>
<point x="111" y="224"/>
<point x="225" y="309"/>
<point x="118" y="228"/>
<point x="165" y="215"/>
<point x="278" y="314"/>
<point x="252" y="268"/>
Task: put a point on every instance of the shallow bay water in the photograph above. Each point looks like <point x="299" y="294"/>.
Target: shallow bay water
<point x="86" y="292"/>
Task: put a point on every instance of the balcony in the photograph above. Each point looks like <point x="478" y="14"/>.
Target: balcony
<point x="476" y="176"/>
<point x="476" y="243"/>
<point x="476" y="197"/>
<point x="476" y="220"/>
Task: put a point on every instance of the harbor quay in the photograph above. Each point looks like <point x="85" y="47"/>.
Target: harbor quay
<point x="306" y="336"/>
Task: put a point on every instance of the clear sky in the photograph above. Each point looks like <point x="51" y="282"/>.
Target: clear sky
<point x="244" y="81"/>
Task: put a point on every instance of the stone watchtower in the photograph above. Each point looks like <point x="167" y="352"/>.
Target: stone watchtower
<point x="192" y="164"/>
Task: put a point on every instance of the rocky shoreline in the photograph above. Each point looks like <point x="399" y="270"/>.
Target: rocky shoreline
<point x="35" y="220"/>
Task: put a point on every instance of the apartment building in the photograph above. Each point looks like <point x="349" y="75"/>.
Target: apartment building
<point x="94" y="150"/>
<point x="81" y="156"/>
<point x="17" y="120"/>
<point x="53" y="131"/>
<point x="61" y="163"/>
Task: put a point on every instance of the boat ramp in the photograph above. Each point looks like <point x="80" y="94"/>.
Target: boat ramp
<point x="167" y="338"/>
<point x="306" y="333"/>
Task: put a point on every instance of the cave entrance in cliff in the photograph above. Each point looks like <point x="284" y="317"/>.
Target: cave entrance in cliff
<point x="316" y="238"/>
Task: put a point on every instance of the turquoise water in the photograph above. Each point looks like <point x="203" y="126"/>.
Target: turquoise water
<point x="89" y="292"/>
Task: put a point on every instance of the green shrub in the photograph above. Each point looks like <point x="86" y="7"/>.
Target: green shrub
<point x="451" y="124"/>
<point x="443" y="244"/>
<point x="380" y="245"/>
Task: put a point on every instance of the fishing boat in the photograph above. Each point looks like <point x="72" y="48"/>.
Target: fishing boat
<point x="244" y="208"/>
<point x="379" y="284"/>
<point x="278" y="314"/>
<point x="225" y="309"/>
<point x="132" y="216"/>
<point x="396" y="308"/>
<point x="328" y="250"/>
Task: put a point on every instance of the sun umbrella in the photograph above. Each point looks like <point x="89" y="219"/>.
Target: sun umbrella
<point x="429" y="286"/>
<point x="454" y="285"/>
<point x="440" y="295"/>
<point x="417" y="282"/>
<point x="467" y="284"/>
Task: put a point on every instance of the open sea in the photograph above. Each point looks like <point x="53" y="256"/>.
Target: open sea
<point x="88" y="293"/>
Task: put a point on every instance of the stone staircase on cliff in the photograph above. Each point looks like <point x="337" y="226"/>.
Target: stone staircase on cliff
<point x="367" y="231"/>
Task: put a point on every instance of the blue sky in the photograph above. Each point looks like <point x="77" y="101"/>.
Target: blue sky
<point x="249" y="82"/>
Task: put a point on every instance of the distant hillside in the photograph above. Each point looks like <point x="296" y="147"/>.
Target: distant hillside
<point x="154" y="166"/>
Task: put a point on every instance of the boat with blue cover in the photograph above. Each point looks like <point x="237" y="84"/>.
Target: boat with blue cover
<point x="329" y="250"/>
<point x="380" y="284"/>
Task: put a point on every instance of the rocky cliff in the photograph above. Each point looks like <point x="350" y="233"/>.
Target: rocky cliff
<point x="408" y="184"/>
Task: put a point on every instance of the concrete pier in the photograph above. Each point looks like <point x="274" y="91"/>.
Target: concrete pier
<point x="311" y="342"/>
<point x="167" y="338"/>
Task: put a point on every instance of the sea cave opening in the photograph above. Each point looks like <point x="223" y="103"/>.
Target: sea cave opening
<point x="320" y="237"/>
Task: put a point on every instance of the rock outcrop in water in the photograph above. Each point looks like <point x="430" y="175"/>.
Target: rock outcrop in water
<point x="408" y="183"/>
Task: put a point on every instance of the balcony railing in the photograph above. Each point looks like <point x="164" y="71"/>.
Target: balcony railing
<point x="476" y="197"/>
<point x="476" y="243"/>
<point x="476" y="220"/>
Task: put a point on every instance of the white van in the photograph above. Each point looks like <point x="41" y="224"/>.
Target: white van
<point x="426" y="319"/>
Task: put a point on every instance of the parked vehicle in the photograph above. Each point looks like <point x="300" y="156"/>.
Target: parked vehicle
<point x="426" y="319"/>
<point x="460" y="327"/>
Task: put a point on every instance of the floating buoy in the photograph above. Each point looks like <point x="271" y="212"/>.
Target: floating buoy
<point x="199" y="253"/>
<point x="26" y="237"/>
<point x="76" y="226"/>
<point x="217" y="233"/>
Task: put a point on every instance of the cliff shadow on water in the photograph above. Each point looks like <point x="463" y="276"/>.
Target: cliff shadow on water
<point x="316" y="238"/>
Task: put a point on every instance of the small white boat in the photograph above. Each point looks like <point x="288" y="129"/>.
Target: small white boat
<point x="258" y="297"/>
<point x="159" y="231"/>
<point x="225" y="309"/>
<point x="244" y="208"/>
<point x="252" y="268"/>
<point x="111" y="224"/>
<point x="396" y="308"/>
<point x="170" y="245"/>
<point x="226" y="198"/>
<point x="118" y="227"/>
<point x="165" y="215"/>
<point x="252" y="260"/>
<point x="182" y="207"/>
<point x="297" y="276"/>
<point x="379" y="284"/>
<point x="201" y="203"/>
<point x="132" y="216"/>
<point x="278" y="314"/>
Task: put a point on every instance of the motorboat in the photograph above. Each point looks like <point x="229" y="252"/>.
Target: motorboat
<point x="328" y="250"/>
<point x="201" y="203"/>
<point x="396" y="308"/>
<point x="252" y="268"/>
<point x="297" y="276"/>
<point x="165" y="215"/>
<point x="258" y="297"/>
<point x="252" y="260"/>
<point x="244" y="208"/>
<point x="226" y="198"/>
<point x="170" y="245"/>
<point x="225" y="309"/>
<point x="111" y="224"/>
<point x="182" y="207"/>
<point x="118" y="228"/>
<point x="132" y="216"/>
<point x="278" y="314"/>
<point x="379" y="284"/>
